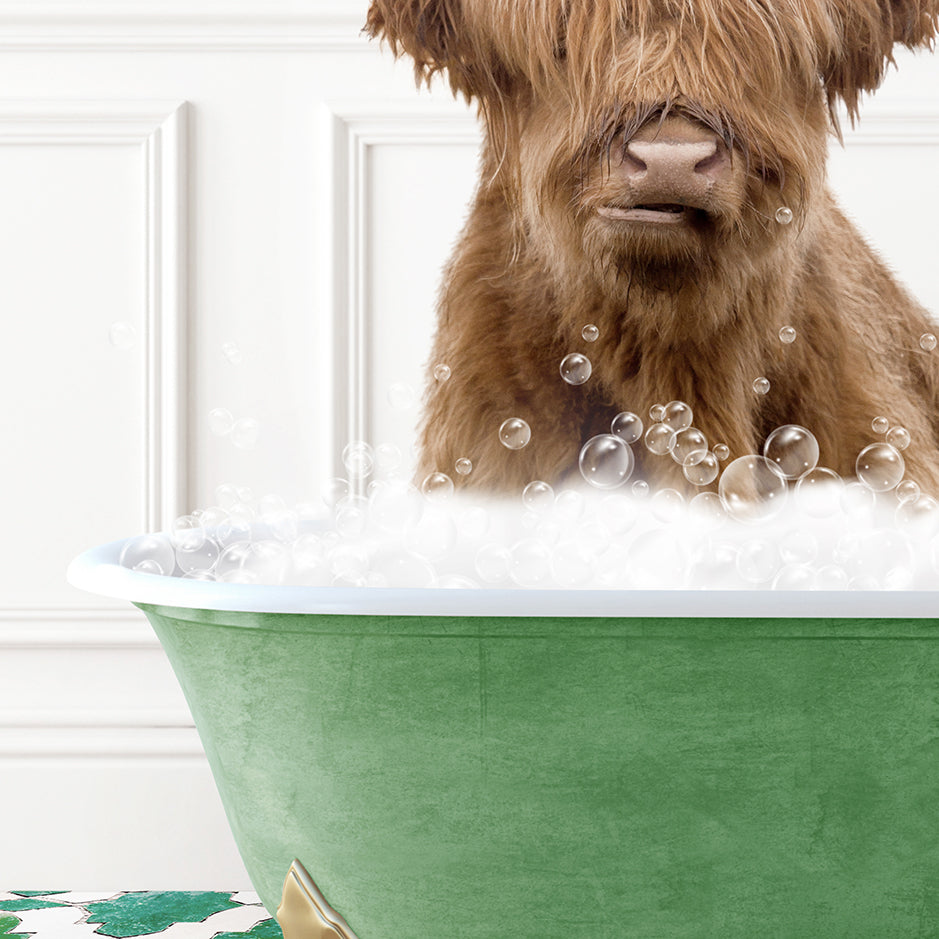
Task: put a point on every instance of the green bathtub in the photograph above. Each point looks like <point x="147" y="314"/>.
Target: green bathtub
<point x="693" y="769"/>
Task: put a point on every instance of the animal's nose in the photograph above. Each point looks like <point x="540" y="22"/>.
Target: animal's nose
<point x="675" y="160"/>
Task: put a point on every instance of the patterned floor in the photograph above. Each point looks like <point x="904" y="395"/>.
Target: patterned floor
<point x="66" y="914"/>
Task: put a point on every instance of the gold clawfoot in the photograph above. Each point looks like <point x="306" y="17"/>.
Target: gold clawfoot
<point x="304" y="913"/>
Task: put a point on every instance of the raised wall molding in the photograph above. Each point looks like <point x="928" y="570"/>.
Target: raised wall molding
<point x="158" y="129"/>
<point x="155" y="26"/>
<point x="350" y="131"/>
<point x="105" y="628"/>
<point x="905" y="127"/>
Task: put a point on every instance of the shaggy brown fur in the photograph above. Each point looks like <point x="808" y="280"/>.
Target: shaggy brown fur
<point x="690" y="311"/>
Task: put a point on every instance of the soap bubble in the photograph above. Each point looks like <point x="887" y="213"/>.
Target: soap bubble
<point x="795" y="577"/>
<point x="627" y="426"/>
<point x="668" y="505"/>
<point x="590" y="333"/>
<point x="259" y="562"/>
<point x="334" y="491"/>
<point x="570" y="567"/>
<point x="927" y="342"/>
<point x="690" y="446"/>
<point x="619" y="512"/>
<point x="575" y="368"/>
<point x="464" y="466"/>
<point x="244" y="433"/>
<point x="659" y="439"/>
<point x="351" y="518"/>
<point x="657" y="413"/>
<point x="150" y="554"/>
<point x="858" y="502"/>
<point x="530" y="564"/>
<point x="721" y="451"/>
<point x="402" y="570"/>
<point x="570" y="505"/>
<point x="706" y="508"/>
<point x="791" y="450"/>
<point x="787" y="334"/>
<point x="388" y="458"/>
<point x="232" y="353"/>
<point x="514" y="433"/>
<point x="818" y="492"/>
<point x="437" y="487"/>
<point x="701" y="472"/>
<point x="538" y="496"/>
<point x="657" y="558"/>
<point x="226" y="495"/>
<point x="492" y="563"/>
<point x="761" y="385"/>
<point x="921" y="514"/>
<point x="831" y="577"/>
<point x="606" y="461"/>
<point x="880" y="425"/>
<point x="640" y="489"/>
<point x="713" y="565"/>
<point x="758" y="561"/>
<point x="798" y="546"/>
<point x="751" y="490"/>
<point x="441" y="372"/>
<point x="187" y="533"/>
<point x="358" y="459"/>
<point x="401" y="396"/>
<point x="122" y="336"/>
<point x="907" y="491"/>
<point x="349" y="561"/>
<point x="394" y="505"/>
<point x="678" y="415"/>
<point x="221" y="422"/>
<point x="784" y="215"/>
<point x="898" y="437"/>
<point x="880" y="467"/>
<point x="433" y="535"/>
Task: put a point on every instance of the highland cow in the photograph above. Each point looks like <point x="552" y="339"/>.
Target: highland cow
<point x="637" y="155"/>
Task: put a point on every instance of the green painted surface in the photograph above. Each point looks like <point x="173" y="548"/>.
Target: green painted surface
<point x="540" y="778"/>
<point x="266" y="930"/>
<point x="8" y="922"/>
<point x="134" y="914"/>
<point x="29" y="903"/>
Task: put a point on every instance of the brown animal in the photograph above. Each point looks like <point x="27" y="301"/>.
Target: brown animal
<point x="636" y="155"/>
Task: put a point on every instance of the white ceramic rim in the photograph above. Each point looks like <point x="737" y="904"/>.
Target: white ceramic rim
<point x="98" y="571"/>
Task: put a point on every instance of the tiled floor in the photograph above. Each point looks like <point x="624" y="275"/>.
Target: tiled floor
<point x="58" y="914"/>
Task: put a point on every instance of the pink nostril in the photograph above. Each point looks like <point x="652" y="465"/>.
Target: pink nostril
<point x="673" y="159"/>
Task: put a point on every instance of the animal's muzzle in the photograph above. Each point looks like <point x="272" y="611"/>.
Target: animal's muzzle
<point x="667" y="167"/>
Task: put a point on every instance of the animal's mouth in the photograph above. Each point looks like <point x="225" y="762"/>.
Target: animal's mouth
<point x="660" y="213"/>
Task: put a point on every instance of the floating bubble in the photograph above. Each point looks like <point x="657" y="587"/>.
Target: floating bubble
<point x="795" y="577"/>
<point x="880" y="467"/>
<point x="721" y="451"/>
<point x="659" y="439"/>
<point x="627" y="426"/>
<point x="706" y="507"/>
<point x="619" y="512"/>
<point x="898" y="437"/>
<point x="927" y="342"/>
<point x="401" y="396"/>
<point x="358" y="458"/>
<point x="657" y="558"/>
<point x="784" y="215"/>
<point x="907" y="491"/>
<point x="575" y="368"/>
<point x="351" y="518"/>
<point x="150" y="554"/>
<point x="570" y="566"/>
<point x="221" y="422"/>
<point x="751" y="490"/>
<point x="818" y="492"/>
<point x="831" y="577"/>
<point x="668" y="505"/>
<point x="244" y="433"/>
<point x="538" y="496"/>
<point x="334" y="491"/>
<point x="441" y="373"/>
<point x="606" y="461"/>
<point x="570" y="505"/>
<point x="791" y="450"/>
<point x="437" y="487"/>
<point x="232" y="353"/>
<point x="690" y="446"/>
<point x="640" y="489"/>
<point x="678" y="415"/>
<point x="701" y="471"/>
<point x="921" y="514"/>
<point x="657" y="413"/>
<point x="857" y="502"/>
<point x="761" y="385"/>
<point x="388" y="458"/>
<point x="514" y="433"/>
<point x="394" y="505"/>
<point x="880" y="425"/>
<point x="590" y="333"/>
<point x="122" y="336"/>
<point x="433" y="535"/>
<point x="464" y="466"/>
<point x="787" y="334"/>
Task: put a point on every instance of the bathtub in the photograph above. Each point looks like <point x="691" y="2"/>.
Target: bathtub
<point x="541" y="764"/>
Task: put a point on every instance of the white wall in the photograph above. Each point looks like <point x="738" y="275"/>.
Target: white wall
<point x="248" y="172"/>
